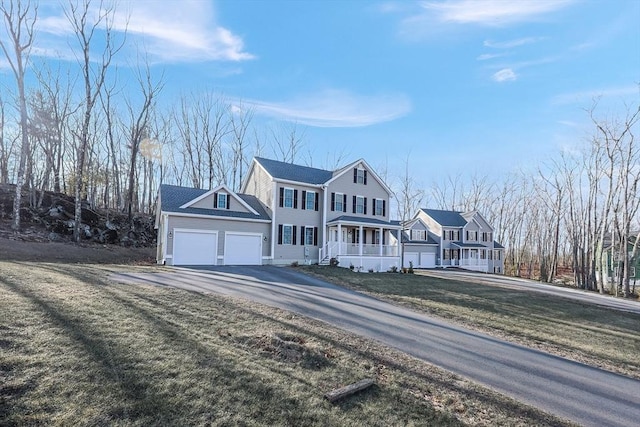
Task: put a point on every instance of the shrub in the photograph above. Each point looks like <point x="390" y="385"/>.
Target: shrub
<point x="392" y="269"/>
<point x="294" y="264"/>
<point x="410" y="270"/>
<point x="371" y="270"/>
<point x="333" y="262"/>
<point x="351" y="267"/>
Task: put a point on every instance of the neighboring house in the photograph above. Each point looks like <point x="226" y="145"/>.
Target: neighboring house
<point x="420" y="246"/>
<point x="301" y="214"/>
<point x="465" y="240"/>
<point x="613" y="263"/>
<point x="211" y="227"/>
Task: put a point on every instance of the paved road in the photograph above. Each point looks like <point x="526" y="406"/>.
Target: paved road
<point x="631" y="306"/>
<point x="586" y="395"/>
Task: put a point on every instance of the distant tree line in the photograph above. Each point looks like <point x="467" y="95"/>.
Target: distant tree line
<point x="77" y="128"/>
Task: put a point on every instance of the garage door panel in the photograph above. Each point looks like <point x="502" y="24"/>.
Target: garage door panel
<point x="427" y="260"/>
<point x="243" y="249"/>
<point x="194" y="247"/>
<point x="413" y="257"/>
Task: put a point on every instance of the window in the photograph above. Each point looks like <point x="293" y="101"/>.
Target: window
<point x="338" y="202"/>
<point x="359" y="176"/>
<point x="221" y="200"/>
<point x="287" y="234"/>
<point x="497" y="255"/>
<point x="376" y="237"/>
<point x="418" y="235"/>
<point x="310" y="200"/>
<point x="358" y="205"/>
<point x="483" y="254"/>
<point x="486" y="237"/>
<point x="288" y="197"/>
<point x="379" y="207"/>
<point x="472" y="236"/>
<point x="446" y="254"/>
<point x="310" y="236"/>
<point x="453" y="235"/>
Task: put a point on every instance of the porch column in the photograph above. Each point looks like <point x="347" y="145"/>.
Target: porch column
<point x="360" y="239"/>
<point x="380" y="230"/>
<point x="339" y="239"/>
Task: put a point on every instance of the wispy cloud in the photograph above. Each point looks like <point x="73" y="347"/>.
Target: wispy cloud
<point x="591" y="94"/>
<point x="184" y="31"/>
<point x="505" y="75"/>
<point x="512" y="43"/>
<point x="492" y="12"/>
<point x="334" y="108"/>
<point x="487" y="56"/>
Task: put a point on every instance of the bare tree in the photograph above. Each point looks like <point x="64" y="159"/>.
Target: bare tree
<point x="19" y="20"/>
<point x="94" y="74"/>
<point x="138" y="127"/>
<point x="287" y="140"/>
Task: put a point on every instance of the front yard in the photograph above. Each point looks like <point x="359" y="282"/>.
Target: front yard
<point x="77" y="349"/>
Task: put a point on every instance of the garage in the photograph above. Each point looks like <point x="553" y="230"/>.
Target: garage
<point x="195" y="247"/>
<point x="242" y="248"/>
<point x="412" y="259"/>
<point x="427" y="260"/>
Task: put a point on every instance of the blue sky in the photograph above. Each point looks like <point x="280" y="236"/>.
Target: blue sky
<point x="461" y="87"/>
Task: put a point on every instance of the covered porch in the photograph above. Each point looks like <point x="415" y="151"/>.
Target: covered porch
<point x="470" y="256"/>
<point x="364" y="243"/>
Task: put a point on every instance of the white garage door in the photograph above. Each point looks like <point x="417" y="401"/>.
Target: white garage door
<point x="195" y="247"/>
<point x="413" y="257"/>
<point x="427" y="260"/>
<point x="242" y="249"/>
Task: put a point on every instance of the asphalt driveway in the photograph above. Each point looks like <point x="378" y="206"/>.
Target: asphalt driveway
<point x="584" y="394"/>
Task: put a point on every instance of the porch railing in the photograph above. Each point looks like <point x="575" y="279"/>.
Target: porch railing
<point x="333" y="249"/>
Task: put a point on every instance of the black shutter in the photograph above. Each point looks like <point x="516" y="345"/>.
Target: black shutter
<point x="344" y="203"/>
<point x="279" y="234"/>
<point x="355" y="175"/>
<point x="365" y="177"/>
<point x="304" y="200"/>
<point x="373" y="207"/>
<point x="384" y="207"/>
<point x="302" y="242"/>
<point x="353" y="236"/>
<point x="295" y="199"/>
<point x="365" y="206"/>
<point x="293" y="238"/>
<point x="315" y="236"/>
<point x="333" y="201"/>
<point x="354" y="204"/>
<point x="281" y="196"/>
<point x="364" y="237"/>
<point x="383" y="237"/>
<point x="228" y="200"/>
<point x="467" y="235"/>
<point x="316" y="203"/>
<point x="215" y="200"/>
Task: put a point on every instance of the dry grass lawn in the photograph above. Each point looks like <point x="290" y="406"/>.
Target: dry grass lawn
<point x="77" y="349"/>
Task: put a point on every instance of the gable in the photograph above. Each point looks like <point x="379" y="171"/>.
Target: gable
<point x="351" y="173"/>
<point x="194" y="201"/>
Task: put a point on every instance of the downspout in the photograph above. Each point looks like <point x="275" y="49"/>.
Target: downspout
<point x="324" y="220"/>
<point x="273" y="222"/>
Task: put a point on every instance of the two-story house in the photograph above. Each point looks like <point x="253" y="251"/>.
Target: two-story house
<point x="311" y="215"/>
<point x="465" y="240"/>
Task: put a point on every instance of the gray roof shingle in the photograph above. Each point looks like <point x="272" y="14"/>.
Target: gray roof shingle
<point x="446" y="218"/>
<point x="291" y="172"/>
<point x="173" y="196"/>
<point x="360" y="220"/>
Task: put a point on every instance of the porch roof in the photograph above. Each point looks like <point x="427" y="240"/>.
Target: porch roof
<point x="370" y="222"/>
<point x="469" y="245"/>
